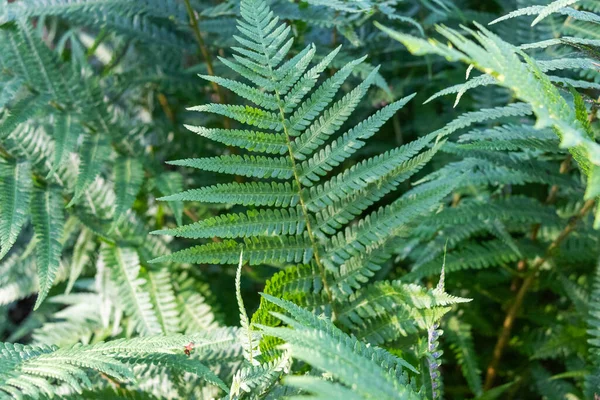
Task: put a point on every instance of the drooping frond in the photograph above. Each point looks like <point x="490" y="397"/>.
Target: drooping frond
<point x="459" y="334"/>
<point x="512" y="68"/>
<point x="163" y="300"/>
<point x="15" y="193"/>
<point x="592" y="380"/>
<point x="32" y="370"/>
<point x="125" y="268"/>
<point x="129" y="176"/>
<point x="48" y="223"/>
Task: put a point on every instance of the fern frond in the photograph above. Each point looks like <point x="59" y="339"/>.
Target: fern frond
<point x="128" y="178"/>
<point x="251" y="166"/>
<point x="361" y="175"/>
<point x="78" y="321"/>
<point x="388" y="221"/>
<point x="251" y="193"/>
<point x="32" y="370"/>
<point x="384" y="311"/>
<point x="252" y="223"/>
<point x="350" y="142"/>
<point x="163" y="299"/>
<point x="258" y="378"/>
<point x="65" y="134"/>
<point x="15" y="192"/>
<point x="48" y="223"/>
<point x="511" y="138"/>
<point x="257" y="250"/>
<point x="524" y="78"/>
<point x="95" y="151"/>
<point x="18" y="278"/>
<point x="250" y="337"/>
<point x="296" y="116"/>
<point x="292" y="282"/>
<point x="26" y="370"/>
<point x="318" y="342"/>
<point x="593" y="322"/>
<point x="461" y="340"/>
<point x="36" y="8"/>
<point x="244" y="114"/>
<point x="473" y="256"/>
<point x="124" y="265"/>
<point x="321" y="389"/>
<point x="169" y="183"/>
<point x="342" y="211"/>
<point x="250" y="140"/>
<point x="196" y="314"/>
<point x="541" y="12"/>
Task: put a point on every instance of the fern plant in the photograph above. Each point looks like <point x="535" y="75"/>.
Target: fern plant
<point x="502" y="158"/>
<point x="340" y="195"/>
<point x="309" y="207"/>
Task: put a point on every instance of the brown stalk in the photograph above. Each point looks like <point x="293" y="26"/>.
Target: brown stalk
<point x="206" y="55"/>
<point x="512" y="312"/>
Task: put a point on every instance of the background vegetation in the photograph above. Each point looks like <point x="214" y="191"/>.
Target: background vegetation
<point x="329" y="211"/>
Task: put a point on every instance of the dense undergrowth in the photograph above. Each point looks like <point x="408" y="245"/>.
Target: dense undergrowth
<point x="341" y="199"/>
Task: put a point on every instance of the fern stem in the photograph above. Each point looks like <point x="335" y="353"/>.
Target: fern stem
<point x="311" y="236"/>
<point x="511" y="314"/>
<point x="551" y="199"/>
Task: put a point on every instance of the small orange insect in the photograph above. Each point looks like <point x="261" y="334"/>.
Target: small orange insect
<point x="188" y="348"/>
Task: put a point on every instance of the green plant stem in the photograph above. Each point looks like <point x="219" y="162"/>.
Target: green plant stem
<point x="313" y="240"/>
<point x="512" y="312"/>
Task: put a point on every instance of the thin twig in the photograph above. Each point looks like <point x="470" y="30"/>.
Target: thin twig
<point x="164" y="103"/>
<point x="203" y="49"/>
<point x="511" y="314"/>
<point x="551" y="199"/>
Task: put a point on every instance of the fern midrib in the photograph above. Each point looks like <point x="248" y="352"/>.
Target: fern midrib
<point x="288" y="140"/>
<point x="21" y="62"/>
<point x="49" y="80"/>
<point x="124" y="190"/>
<point x="14" y="196"/>
<point x="160" y="314"/>
<point x="305" y="213"/>
<point x="193" y="314"/>
<point x="48" y="240"/>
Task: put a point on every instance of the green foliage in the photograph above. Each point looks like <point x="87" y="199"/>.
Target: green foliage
<point x="26" y="370"/>
<point x="317" y="152"/>
<point x="48" y="223"/>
